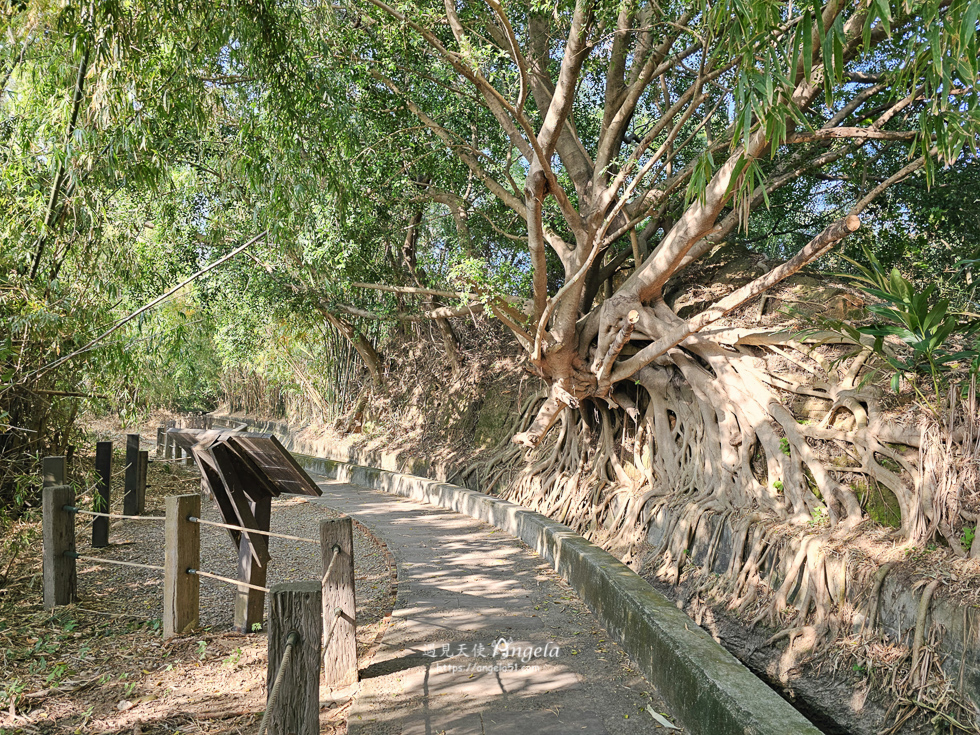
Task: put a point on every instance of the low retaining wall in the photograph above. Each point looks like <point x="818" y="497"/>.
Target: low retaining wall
<point x="959" y="624"/>
<point x="707" y="688"/>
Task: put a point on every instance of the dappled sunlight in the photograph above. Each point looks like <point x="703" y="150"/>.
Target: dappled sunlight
<point x="485" y="637"/>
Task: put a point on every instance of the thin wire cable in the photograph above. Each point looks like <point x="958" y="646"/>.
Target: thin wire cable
<point x="236" y="582"/>
<point x="326" y="574"/>
<point x="73" y="555"/>
<point x="291" y="640"/>
<point x="73" y="509"/>
<point x="195" y="519"/>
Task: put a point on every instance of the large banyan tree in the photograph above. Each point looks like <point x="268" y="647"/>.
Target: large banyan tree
<point x="607" y="150"/>
<point x="629" y="141"/>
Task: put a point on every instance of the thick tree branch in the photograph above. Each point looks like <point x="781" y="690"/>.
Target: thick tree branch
<point x="574" y="55"/>
<point x="443" y="312"/>
<point x="813" y="250"/>
<point x="850" y="133"/>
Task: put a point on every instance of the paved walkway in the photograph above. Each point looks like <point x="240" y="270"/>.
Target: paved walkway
<point x="485" y="637"/>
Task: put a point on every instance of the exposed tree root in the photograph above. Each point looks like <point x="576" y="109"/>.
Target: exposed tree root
<point x="712" y="440"/>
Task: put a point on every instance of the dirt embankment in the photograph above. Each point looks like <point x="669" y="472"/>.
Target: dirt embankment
<point x="912" y="667"/>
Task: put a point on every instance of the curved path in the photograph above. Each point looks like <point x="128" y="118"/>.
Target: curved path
<point x="485" y="637"/>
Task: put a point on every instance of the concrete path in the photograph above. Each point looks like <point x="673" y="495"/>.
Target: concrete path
<point x="485" y="637"/>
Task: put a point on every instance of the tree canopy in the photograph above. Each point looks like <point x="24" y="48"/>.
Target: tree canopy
<point x="558" y="166"/>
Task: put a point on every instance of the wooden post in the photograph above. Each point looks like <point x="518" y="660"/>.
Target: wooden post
<point x="340" y="652"/>
<point x="249" y="603"/>
<point x="295" y="607"/>
<point x="131" y="478"/>
<point x="161" y="438"/>
<point x="168" y="446"/>
<point x="142" y="465"/>
<point x="53" y="471"/>
<point x="103" y="495"/>
<point x="58" y="532"/>
<point x="182" y="551"/>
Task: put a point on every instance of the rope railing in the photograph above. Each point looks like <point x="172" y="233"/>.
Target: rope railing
<point x="75" y="555"/>
<point x="303" y="608"/>
<point x="333" y="559"/>
<point x="195" y="519"/>
<point x="229" y="580"/>
<point x="82" y="511"/>
<point x="333" y="625"/>
<point x="291" y="640"/>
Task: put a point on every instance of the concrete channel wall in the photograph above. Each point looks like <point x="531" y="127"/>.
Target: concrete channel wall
<point x="710" y="692"/>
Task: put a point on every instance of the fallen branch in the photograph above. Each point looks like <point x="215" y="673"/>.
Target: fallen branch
<point x="125" y="320"/>
<point x="77" y="687"/>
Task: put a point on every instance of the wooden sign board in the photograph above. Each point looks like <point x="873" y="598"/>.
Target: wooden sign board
<point x="243" y="472"/>
<point x="261" y="455"/>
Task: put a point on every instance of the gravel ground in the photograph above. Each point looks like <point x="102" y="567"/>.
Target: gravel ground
<point x="104" y="586"/>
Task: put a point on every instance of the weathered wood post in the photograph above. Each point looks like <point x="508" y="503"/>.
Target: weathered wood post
<point x="250" y="603"/>
<point x="58" y="533"/>
<point x="168" y="445"/>
<point x="142" y="466"/>
<point x="340" y="652"/>
<point x="103" y="494"/>
<point x="294" y="607"/>
<point x="182" y="551"/>
<point x="131" y="478"/>
<point x="161" y="438"/>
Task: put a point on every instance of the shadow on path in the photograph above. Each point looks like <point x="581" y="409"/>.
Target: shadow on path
<point x="485" y="637"/>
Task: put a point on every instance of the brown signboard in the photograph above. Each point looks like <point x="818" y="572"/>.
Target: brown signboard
<point x="243" y="472"/>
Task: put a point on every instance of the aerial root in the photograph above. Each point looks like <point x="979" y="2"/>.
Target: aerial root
<point x="875" y="598"/>
<point x="920" y="626"/>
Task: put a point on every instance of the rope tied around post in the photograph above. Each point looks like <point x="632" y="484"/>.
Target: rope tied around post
<point x="82" y="511"/>
<point x="333" y="560"/>
<point x="195" y="519"/>
<point x="236" y="582"/>
<point x="333" y="624"/>
<point x="291" y="640"/>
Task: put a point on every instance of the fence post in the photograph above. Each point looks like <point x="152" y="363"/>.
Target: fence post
<point x="58" y="533"/>
<point x="295" y="606"/>
<point x="340" y="652"/>
<point x="168" y="445"/>
<point x="103" y="466"/>
<point x="161" y="438"/>
<point x="141" y="468"/>
<point x="131" y="478"/>
<point x="182" y="551"/>
<point x="249" y="603"/>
